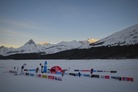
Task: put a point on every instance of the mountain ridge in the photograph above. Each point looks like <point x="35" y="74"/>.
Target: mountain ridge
<point x="126" y="38"/>
<point x="32" y="47"/>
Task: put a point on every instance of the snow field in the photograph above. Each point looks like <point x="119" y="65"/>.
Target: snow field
<point x="21" y="83"/>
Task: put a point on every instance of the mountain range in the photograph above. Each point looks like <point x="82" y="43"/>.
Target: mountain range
<point x="32" y="47"/>
<point x="124" y="40"/>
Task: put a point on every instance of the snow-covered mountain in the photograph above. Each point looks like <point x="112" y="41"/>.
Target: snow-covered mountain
<point x="127" y="36"/>
<point x="4" y="50"/>
<point x="43" y="43"/>
<point x="29" y="47"/>
<point x="32" y="47"/>
<point x="91" y="40"/>
<point x="54" y="48"/>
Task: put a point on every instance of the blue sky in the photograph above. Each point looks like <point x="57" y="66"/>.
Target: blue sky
<point x="63" y="20"/>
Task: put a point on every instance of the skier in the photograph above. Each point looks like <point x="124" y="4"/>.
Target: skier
<point x="91" y="72"/>
<point x="41" y="68"/>
<point x="22" y="68"/>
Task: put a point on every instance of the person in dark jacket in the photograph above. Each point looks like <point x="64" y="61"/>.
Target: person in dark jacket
<point x="63" y="72"/>
<point x="79" y="74"/>
<point x="22" y="68"/>
<point x="37" y="69"/>
<point x="91" y="72"/>
<point x="42" y="70"/>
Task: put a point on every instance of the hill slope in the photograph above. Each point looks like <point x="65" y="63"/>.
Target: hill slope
<point x="128" y="36"/>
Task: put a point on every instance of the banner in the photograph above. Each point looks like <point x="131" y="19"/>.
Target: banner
<point x="95" y="76"/>
<point x="27" y="74"/>
<point x="11" y="71"/>
<point x="44" y="76"/>
<point x="58" y="78"/>
<point x="31" y="74"/>
<point x="38" y="75"/>
<point x="105" y="76"/>
<point x="51" y="77"/>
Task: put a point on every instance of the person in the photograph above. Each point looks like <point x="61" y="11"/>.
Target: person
<point x="41" y="68"/>
<point x="14" y="67"/>
<point x="22" y="68"/>
<point x="79" y="74"/>
<point x="91" y="72"/>
<point x="63" y="72"/>
<point x="45" y="67"/>
<point x="37" y="69"/>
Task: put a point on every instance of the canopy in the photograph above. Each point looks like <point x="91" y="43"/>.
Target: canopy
<point x="55" y="69"/>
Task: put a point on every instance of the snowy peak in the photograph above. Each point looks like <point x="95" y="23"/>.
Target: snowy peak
<point x="32" y="47"/>
<point x="62" y="46"/>
<point x="127" y="36"/>
<point x="29" y="47"/>
<point x="30" y="42"/>
<point x="3" y="49"/>
<point x="92" y="40"/>
<point x="75" y="44"/>
<point x="43" y="43"/>
<point x="71" y="44"/>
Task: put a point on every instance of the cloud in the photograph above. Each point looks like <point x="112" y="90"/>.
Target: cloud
<point x="23" y="24"/>
<point x="10" y="32"/>
<point x="24" y="29"/>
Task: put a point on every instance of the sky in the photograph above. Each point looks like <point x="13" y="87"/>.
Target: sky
<point x="54" y="21"/>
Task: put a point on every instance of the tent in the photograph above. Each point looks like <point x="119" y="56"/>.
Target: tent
<point x="56" y="69"/>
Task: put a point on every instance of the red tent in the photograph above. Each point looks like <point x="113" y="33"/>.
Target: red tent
<point x="55" y="69"/>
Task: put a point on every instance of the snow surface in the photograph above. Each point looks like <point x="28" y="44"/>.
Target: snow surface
<point x="126" y="67"/>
